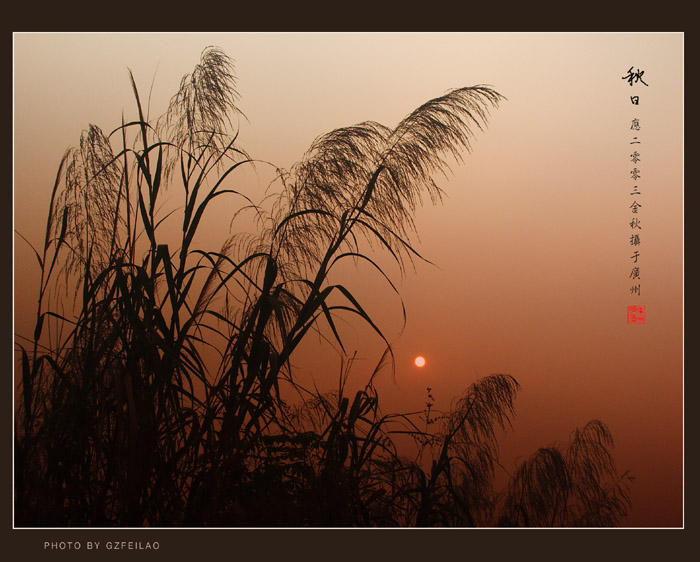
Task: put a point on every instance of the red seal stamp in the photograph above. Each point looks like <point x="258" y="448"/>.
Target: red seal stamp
<point x="636" y="314"/>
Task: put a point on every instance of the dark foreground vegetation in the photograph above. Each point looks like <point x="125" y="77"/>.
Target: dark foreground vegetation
<point x="157" y="388"/>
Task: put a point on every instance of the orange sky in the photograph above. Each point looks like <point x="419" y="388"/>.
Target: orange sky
<point x="531" y="251"/>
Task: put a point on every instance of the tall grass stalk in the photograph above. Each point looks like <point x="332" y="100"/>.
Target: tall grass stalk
<point x="126" y="420"/>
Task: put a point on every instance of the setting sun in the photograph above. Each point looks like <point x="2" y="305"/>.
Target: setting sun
<point x="420" y="361"/>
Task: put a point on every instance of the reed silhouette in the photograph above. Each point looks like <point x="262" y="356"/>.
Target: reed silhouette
<point x="123" y="418"/>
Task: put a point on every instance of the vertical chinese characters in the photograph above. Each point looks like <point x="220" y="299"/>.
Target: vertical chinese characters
<point x="636" y="314"/>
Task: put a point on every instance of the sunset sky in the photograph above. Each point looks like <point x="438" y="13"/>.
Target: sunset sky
<point x="530" y="250"/>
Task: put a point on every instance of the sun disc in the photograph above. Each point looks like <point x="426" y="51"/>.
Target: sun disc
<point x="420" y="361"/>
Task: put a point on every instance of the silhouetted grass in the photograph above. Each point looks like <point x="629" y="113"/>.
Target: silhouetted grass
<point x="124" y="418"/>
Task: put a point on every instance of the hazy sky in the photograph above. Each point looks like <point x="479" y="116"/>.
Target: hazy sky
<point x="531" y="246"/>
